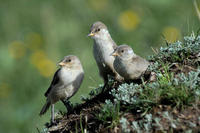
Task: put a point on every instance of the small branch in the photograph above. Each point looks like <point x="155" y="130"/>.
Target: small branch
<point x="197" y="9"/>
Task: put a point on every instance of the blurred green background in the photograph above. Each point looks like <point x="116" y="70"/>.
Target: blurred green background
<point x="35" y="35"/>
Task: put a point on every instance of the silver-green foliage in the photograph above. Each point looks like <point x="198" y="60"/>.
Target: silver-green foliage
<point x="128" y="95"/>
<point x="178" y="90"/>
<point x="178" y="51"/>
<point x="124" y="123"/>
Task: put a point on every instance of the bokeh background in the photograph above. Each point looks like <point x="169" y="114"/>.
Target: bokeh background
<point x="35" y="35"/>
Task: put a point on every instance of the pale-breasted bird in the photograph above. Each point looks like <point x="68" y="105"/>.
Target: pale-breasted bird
<point x="65" y="83"/>
<point x="128" y="64"/>
<point x="102" y="48"/>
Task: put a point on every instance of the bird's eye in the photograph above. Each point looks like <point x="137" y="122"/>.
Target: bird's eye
<point x="98" y="29"/>
<point x="122" y="51"/>
<point x="69" y="60"/>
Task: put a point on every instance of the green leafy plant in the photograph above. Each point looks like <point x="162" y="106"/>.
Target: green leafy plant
<point x="109" y="114"/>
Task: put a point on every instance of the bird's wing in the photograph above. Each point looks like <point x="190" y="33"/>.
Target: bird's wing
<point x="114" y="45"/>
<point x="76" y="83"/>
<point x="53" y="82"/>
<point x="140" y="62"/>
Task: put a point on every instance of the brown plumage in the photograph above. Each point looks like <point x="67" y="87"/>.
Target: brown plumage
<point x="128" y="64"/>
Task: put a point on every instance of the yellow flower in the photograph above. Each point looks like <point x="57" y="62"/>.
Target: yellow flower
<point x="5" y="90"/>
<point x="171" y="34"/>
<point x="45" y="66"/>
<point x="37" y="56"/>
<point x="98" y="4"/>
<point x="34" y="41"/>
<point x="17" y="49"/>
<point x="128" y="20"/>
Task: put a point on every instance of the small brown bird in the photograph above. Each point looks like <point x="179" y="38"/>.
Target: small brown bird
<point x="128" y="64"/>
<point x="102" y="48"/>
<point x="65" y="83"/>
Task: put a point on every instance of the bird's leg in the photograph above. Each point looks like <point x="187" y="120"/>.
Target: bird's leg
<point x="52" y="114"/>
<point x="104" y="86"/>
<point x="67" y="105"/>
<point x="105" y="78"/>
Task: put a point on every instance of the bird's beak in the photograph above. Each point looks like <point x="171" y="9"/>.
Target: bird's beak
<point x="91" y="34"/>
<point x="114" y="54"/>
<point x="61" y="64"/>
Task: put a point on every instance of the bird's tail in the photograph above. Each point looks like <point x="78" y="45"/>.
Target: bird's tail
<point x="45" y="107"/>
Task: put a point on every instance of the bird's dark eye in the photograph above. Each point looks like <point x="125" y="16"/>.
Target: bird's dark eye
<point x="69" y="60"/>
<point x="98" y="29"/>
<point x="122" y="51"/>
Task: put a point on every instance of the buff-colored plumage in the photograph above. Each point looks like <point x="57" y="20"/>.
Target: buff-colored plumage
<point x="102" y="48"/>
<point x="65" y="83"/>
<point x="128" y="64"/>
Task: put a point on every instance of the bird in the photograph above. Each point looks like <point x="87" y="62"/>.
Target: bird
<point x="129" y="65"/>
<point x="66" y="82"/>
<point x="102" y="48"/>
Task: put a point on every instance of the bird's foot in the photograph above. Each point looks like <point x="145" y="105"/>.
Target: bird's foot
<point x="53" y="122"/>
<point x="68" y="105"/>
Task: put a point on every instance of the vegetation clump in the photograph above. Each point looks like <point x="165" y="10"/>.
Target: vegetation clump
<point x="169" y="103"/>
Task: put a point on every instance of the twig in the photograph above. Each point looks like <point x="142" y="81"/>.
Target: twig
<point x="38" y="129"/>
<point x="154" y="50"/>
<point x="197" y="9"/>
